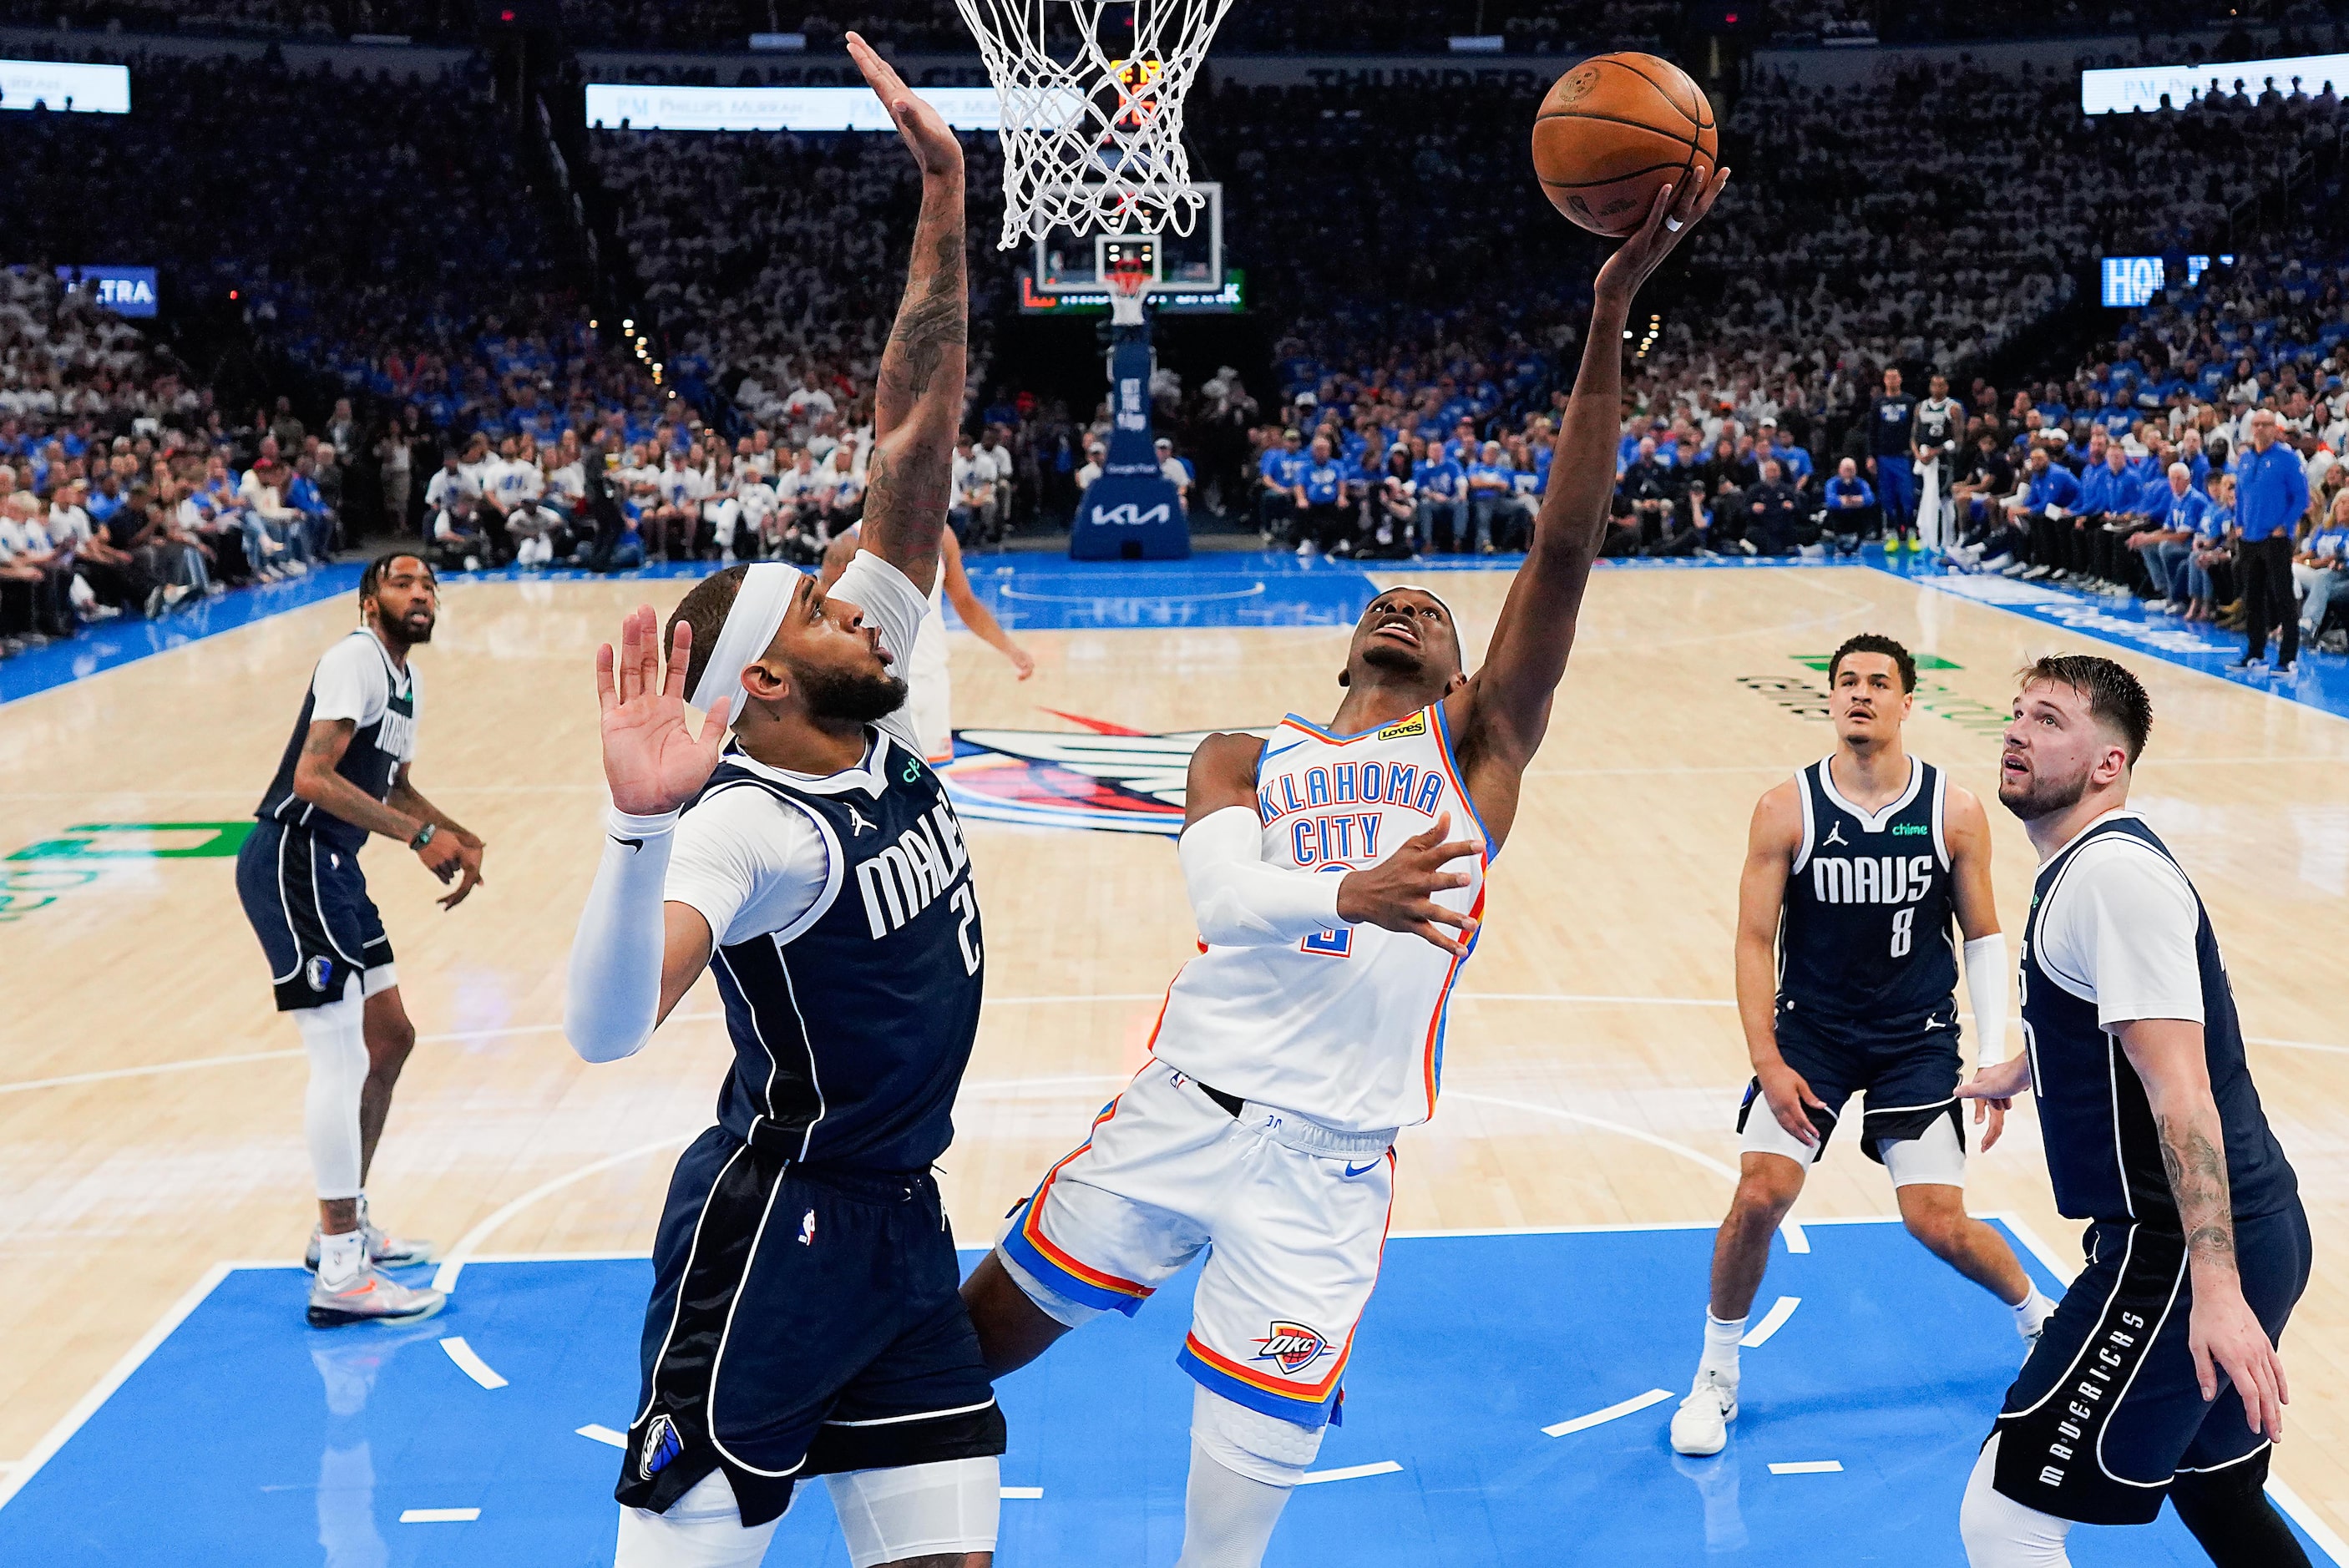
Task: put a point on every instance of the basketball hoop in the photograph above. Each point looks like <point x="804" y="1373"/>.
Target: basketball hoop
<point x="1093" y="140"/>
<point x="1129" y="292"/>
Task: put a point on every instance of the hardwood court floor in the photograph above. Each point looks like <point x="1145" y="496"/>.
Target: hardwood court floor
<point x="1593" y="1063"/>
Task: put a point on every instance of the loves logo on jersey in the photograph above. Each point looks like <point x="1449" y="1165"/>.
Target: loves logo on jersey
<point x="1104" y="778"/>
<point x="1291" y="1347"/>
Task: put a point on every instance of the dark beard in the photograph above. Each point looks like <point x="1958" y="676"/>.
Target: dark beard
<point x="2043" y="799"/>
<point x="846" y="698"/>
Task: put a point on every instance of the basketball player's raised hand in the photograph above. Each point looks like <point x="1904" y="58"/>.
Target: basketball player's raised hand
<point x="933" y="145"/>
<point x="1678" y="210"/>
<point x="653" y="759"/>
<point x="1398" y="892"/>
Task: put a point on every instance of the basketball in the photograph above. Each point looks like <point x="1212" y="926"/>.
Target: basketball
<point x="1614" y="128"/>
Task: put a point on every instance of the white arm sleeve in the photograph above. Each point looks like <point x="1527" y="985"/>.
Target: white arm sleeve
<point x="351" y="683"/>
<point x="891" y="601"/>
<point x="613" y="997"/>
<point x="1987" y="973"/>
<point x="2119" y="930"/>
<point x="1238" y="900"/>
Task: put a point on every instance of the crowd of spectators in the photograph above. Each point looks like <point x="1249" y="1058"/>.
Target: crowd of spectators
<point x="124" y="490"/>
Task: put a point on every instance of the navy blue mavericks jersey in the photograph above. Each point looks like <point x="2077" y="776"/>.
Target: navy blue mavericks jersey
<point x="850" y="1040"/>
<point x="1867" y="942"/>
<point x="2104" y="1154"/>
<point x="370" y="761"/>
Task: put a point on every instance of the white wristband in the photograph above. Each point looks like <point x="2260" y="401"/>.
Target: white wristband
<point x="1987" y="987"/>
<point x="1239" y="901"/>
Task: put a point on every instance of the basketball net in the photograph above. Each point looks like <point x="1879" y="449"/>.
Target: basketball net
<point x="1129" y="292"/>
<point x="1092" y="131"/>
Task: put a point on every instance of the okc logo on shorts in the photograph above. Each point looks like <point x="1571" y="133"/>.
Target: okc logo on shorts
<point x="1291" y="1347"/>
<point x="661" y="1445"/>
<point x="318" y="971"/>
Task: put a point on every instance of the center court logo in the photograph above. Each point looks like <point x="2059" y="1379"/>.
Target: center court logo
<point x="1291" y="1347"/>
<point x="1102" y="778"/>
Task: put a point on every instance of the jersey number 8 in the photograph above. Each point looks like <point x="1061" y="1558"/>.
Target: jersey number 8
<point x="1904" y="926"/>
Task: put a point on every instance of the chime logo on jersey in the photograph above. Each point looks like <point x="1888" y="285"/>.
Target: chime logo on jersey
<point x="1291" y="1347"/>
<point x="1102" y="778"/>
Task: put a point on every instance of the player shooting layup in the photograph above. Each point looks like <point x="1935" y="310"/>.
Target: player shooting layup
<point x="1311" y="1026"/>
<point x="2157" y="1375"/>
<point x="804" y="1319"/>
<point x="347" y="773"/>
<point x="1855" y="870"/>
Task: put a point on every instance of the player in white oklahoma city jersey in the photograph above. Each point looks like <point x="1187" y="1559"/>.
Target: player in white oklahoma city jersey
<point x="1346" y="1023"/>
<point x="1335" y="905"/>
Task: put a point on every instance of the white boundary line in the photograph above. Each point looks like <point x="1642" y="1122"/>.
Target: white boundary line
<point x="439" y="1515"/>
<point x="1632" y="1406"/>
<point x="1350" y="1472"/>
<point x="119" y="1374"/>
<point x="1020" y="1494"/>
<point x="596" y="1432"/>
<point x="1807" y="1466"/>
<point x="1796" y="1241"/>
<point x="1562" y="998"/>
<point x="2328" y="1540"/>
<point x="469" y="1361"/>
<point x="1772" y="1321"/>
<point x="444" y="1278"/>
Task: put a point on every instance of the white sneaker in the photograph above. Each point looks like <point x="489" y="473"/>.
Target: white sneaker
<point x="371" y="1298"/>
<point x="1700" y="1426"/>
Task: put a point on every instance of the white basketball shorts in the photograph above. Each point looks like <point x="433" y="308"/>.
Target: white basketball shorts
<point x="1298" y="1214"/>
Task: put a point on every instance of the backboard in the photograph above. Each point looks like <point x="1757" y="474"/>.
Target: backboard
<point x="1068" y="263"/>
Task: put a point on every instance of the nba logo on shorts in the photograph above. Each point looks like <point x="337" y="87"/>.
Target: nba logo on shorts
<point x="1292" y="1348"/>
<point x="318" y="971"/>
<point x="661" y="1445"/>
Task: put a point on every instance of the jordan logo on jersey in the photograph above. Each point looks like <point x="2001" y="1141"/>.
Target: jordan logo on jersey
<point x="1835" y="836"/>
<point x="858" y="824"/>
<point x="901" y="880"/>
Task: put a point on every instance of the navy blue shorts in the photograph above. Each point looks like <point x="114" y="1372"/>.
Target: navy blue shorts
<point x="1908" y="1079"/>
<point x="803" y="1322"/>
<point x="2108" y="1409"/>
<point x="309" y="905"/>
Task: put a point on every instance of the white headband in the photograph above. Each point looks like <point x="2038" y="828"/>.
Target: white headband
<point x="750" y="626"/>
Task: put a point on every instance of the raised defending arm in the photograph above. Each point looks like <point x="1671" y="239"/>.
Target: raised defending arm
<point x="917" y="402"/>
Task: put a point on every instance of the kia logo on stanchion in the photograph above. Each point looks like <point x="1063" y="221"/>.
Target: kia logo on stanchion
<point x="1130" y="515"/>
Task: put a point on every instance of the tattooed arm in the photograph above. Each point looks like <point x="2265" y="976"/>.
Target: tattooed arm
<point x="917" y="402"/>
<point x="2223" y="1334"/>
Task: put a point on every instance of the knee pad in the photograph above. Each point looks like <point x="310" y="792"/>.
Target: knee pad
<point x="1934" y="1158"/>
<point x="917" y="1510"/>
<point x="703" y="1529"/>
<point x="1251" y="1443"/>
<point x="2000" y="1532"/>
<point x="335" y="1037"/>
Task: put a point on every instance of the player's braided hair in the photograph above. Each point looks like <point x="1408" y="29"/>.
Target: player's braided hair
<point x="373" y="575"/>
<point x="1876" y="643"/>
<point x="704" y="610"/>
<point x="2116" y="698"/>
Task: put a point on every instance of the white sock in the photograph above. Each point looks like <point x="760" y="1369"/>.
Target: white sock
<point x="1721" y="1346"/>
<point x="1228" y="1518"/>
<point x="2032" y="1312"/>
<point x="340" y="1257"/>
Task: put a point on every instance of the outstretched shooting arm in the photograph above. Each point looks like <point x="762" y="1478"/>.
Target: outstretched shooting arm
<point x="1503" y="712"/>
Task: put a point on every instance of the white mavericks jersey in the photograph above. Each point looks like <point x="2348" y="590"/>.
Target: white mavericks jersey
<point x="1346" y="1027"/>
